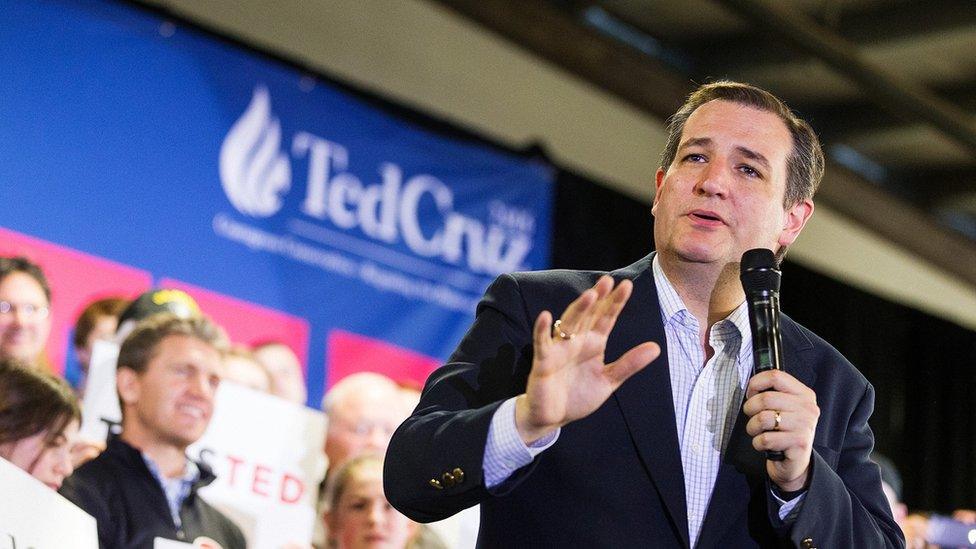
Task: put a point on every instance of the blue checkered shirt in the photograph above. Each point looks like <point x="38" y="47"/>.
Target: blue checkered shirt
<point x="175" y="489"/>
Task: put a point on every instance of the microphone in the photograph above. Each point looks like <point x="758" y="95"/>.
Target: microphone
<point x="760" y="280"/>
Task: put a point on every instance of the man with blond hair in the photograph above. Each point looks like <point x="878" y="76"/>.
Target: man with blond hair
<point x="143" y="486"/>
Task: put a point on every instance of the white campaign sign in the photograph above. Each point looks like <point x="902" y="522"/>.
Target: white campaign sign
<point x="268" y="457"/>
<point x="101" y="396"/>
<point x="28" y="509"/>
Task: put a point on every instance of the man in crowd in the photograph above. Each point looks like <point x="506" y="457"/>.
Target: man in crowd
<point x="633" y="419"/>
<point x="363" y="411"/>
<point x="242" y="368"/>
<point x="285" y="371"/>
<point x="143" y="486"/>
<point x="25" y="311"/>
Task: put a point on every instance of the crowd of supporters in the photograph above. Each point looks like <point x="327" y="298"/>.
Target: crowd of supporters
<point x="171" y="361"/>
<point x="139" y="484"/>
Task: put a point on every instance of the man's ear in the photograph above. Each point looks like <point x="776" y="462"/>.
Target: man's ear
<point x="129" y="385"/>
<point x="794" y="219"/>
<point x="658" y="181"/>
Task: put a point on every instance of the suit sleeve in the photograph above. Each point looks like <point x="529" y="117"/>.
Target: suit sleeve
<point x="844" y="505"/>
<point x="433" y="466"/>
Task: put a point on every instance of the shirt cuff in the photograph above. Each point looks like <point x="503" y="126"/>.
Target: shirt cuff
<point x="505" y="451"/>
<point x="788" y="509"/>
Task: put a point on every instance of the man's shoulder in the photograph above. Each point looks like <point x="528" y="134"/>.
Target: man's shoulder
<point x="823" y="357"/>
<point x="575" y="279"/>
<point x="111" y="468"/>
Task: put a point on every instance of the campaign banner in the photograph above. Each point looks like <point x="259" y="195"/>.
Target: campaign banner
<point x="301" y="212"/>
<point x="269" y="458"/>
<point x="29" y="509"/>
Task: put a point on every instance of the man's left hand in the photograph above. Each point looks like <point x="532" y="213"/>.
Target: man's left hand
<point x="772" y="393"/>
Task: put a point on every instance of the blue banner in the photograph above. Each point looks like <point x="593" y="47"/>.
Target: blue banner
<point x="157" y="146"/>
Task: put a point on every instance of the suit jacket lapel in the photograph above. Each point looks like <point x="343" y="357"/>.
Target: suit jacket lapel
<point x="645" y="399"/>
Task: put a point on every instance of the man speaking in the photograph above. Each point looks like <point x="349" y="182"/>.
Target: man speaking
<point x="632" y="417"/>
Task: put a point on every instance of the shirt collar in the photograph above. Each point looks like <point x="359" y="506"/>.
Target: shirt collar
<point x="191" y="473"/>
<point x="673" y="309"/>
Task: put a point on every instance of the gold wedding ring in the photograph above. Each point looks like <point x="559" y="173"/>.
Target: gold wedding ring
<point x="557" y="331"/>
<point x="776" y="420"/>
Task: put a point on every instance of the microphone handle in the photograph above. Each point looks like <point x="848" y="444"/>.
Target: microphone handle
<point x="766" y="340"/>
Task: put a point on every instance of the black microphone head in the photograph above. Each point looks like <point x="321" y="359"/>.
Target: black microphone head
<point x="758" y="272"/>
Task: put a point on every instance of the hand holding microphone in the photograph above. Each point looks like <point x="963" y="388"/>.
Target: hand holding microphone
<point x="782" y="411"/>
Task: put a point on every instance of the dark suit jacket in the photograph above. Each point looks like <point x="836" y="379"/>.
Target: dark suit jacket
<point x="614" y="478"/>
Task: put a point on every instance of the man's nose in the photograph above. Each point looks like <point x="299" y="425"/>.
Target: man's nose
<point x="713" y="180"/>
<point x="201" y="386"/>
<point x="376" y="513"/>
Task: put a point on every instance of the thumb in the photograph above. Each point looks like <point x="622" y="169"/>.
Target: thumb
<point x="633" y="361"/>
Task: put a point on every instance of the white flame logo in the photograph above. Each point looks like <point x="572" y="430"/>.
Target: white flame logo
<point x="253" y="170"/>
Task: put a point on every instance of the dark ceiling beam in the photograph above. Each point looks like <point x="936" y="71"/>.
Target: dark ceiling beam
<point x="885" y="23"/>
<point x="657" y="90"/>
<point x="897" y="95"/>
<point x="837" y="121"/>
<point x="938" y="187"/>
<point x="898" y="221"/>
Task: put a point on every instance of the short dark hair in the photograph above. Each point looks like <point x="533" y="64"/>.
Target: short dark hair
<point x="140" y="346"/>
<point x="109" y="306"/>
<point x="20" y="264"/>
<point x="32" y="402"/>
<point x="805" y="165"/>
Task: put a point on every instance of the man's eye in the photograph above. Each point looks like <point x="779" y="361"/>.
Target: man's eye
<point x="695" y="157"/>
<point x="750" y="171"/>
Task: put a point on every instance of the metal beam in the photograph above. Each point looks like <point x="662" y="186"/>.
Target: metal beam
<point x="898" y="221"/>
<point x="897" y="95"/>
<point x="835" y="121"/>
<point x="657" y="90"/>
<point x="872" y="28"/>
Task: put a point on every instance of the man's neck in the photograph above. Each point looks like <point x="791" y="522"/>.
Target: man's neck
<point x="170" y="459"/>
<point x="710" y="292"/>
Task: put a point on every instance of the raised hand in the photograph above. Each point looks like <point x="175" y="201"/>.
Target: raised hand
<point x="776" y="394"/>
<point x="569" y="379"/>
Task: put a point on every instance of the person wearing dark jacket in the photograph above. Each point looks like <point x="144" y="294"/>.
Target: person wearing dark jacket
<point x="632" y="419"/>
<point x="143" y="486"/>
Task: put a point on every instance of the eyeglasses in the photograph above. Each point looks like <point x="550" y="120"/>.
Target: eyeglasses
<point x="28" y="310"/>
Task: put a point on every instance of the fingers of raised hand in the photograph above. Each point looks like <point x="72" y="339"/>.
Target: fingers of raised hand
<point x="541" y="335"/>
<point x="632" y="361"/>
<point x="608" y="309"/>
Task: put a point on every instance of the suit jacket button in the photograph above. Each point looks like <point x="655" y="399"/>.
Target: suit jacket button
<point x="436" y="484"/>
<point x="807" y="543"/>
<point x="458" y="475"/>
<point x="447" y="480"/>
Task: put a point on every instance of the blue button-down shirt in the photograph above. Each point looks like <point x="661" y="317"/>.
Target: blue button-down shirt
<point x="175" y="489"/>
